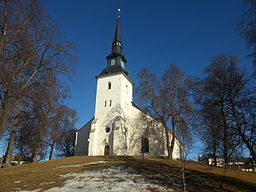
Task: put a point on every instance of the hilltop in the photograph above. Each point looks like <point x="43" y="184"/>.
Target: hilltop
<point x="121" y="174"/>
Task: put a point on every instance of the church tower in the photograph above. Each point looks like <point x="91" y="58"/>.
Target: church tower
<point x="113" y="102"/>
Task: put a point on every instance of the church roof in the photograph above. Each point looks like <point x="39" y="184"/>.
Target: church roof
<point x="113" y="69"/>
<point x="143" y="111"/>
<point x="86" y="124"/>
<point x="117" y="36"/>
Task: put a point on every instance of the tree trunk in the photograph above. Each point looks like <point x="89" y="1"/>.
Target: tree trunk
<point x="173" y="139"/>
<point x="225" y="148"/>
<point x="214" y="146"/>
<point x="3" y="119"/>
<point x="225" y="137"/>
<point x="214" y="156"/>
<point x="2" y="124"/>
<point x="183" y="170"/>
<point x="51" y="151"/>
<point x="169" y="153"/>
<point x="9" y="150"/>
<point x="5" y="111"/>
<point x="35" y="155"/>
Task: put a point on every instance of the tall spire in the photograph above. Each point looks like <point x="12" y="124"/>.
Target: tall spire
<point x="116" y="57"/>
<point x="117" y="36"/>
<point x="117" y="44"/>
<point x="116" y="60"/>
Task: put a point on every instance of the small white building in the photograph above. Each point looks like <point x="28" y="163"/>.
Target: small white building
<point x="119" y="127"/>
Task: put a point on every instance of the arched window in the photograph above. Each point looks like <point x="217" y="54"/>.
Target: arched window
<point x="144" y="145"/>
<point x="109" y="85"/>
<point x="105" y="104"/>
<point x="110" y="102"/>
<point x="106" y="150"/>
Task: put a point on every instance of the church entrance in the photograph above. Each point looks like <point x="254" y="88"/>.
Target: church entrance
<point x="106" y="151"/>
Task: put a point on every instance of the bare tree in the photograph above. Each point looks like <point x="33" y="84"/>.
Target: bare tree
<point x="214" y="87"/>
<point x="227" y="101"/>
<point x="63" y="119"/>
<point x="248" y="28"/>
<point x="242" y="112"/>
<point x="185" y="144"/>
<point x="35" y="127"/>
<point x="45" y="121"/>
<point x="31" y="56"/>
<point x="209" y="126"/>
<point x="211" y="130"/>
<point x="29" y="50"/>
<point x="167" y="100"/>
<point x="66" y="145"/>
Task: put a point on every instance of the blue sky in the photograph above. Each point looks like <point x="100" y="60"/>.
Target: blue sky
<point x="154" y="33"/>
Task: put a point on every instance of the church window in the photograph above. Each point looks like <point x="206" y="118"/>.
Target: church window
<point x="144" y="145"/>
<point x="107" y="129"/>
<point x="118" y="61"/>
<point x="110" y="102"/>
<point x="122" y="64"/>
<point x="105" y="104"/>
<point x="109" y="85"/>
<point x="113" y="62"/>
<point x="126" y="88"/>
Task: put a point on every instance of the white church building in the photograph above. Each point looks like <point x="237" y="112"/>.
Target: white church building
<point x="119" y="127"/>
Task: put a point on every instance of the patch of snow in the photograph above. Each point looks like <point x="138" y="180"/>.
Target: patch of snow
<point x="117" y="179"/>
<point x="17" y="181"/>
<point x="80" y="165"/>
<point x="36" y="190"/>
<point x="47" y="183"/>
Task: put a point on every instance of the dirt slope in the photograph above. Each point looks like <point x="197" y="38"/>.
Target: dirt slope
<point x="46" y="175"/>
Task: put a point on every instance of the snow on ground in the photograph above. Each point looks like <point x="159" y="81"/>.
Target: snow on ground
<point x="117" y="179"/>
<point x="80" y="165"/>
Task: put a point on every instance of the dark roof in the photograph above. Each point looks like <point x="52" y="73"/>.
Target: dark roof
<point x="143" y="111"/>
<point x="113" y="69"/>
<point x="116" y="53"/>
<point x="86" y="123"/>
<point x="117" y="36"/>
<point x="117" y="45"/>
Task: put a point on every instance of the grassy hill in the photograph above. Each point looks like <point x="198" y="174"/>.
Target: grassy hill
<point x="122" y="174"/>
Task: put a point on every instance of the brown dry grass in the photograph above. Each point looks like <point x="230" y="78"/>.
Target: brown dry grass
<point x="45" y="175"/>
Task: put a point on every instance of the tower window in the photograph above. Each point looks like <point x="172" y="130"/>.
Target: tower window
<point x="112" y="62"/>
<point x="122" y="63"/>
<point x="105" y="104"/>
<point x="109" y="85"/>
<point x="110" y="102"/>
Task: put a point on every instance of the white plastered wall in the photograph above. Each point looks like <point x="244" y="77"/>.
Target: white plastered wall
<point x="127" y="123"/>
<point x="111" y="110"/>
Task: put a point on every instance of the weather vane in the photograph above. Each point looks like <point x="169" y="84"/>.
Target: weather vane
<point x="118" y="12"/>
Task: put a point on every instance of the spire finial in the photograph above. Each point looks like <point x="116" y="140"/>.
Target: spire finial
<point x="118" y="12"/>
